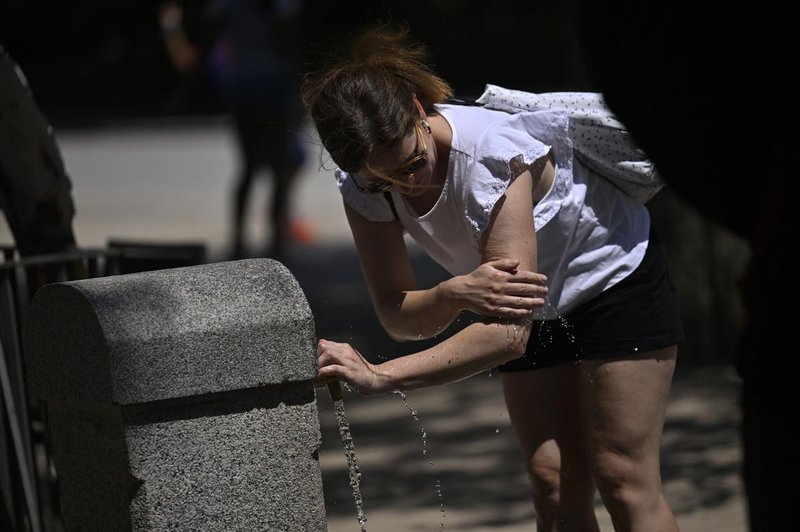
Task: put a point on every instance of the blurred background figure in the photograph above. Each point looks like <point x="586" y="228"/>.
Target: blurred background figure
<point x="248" y="52"/>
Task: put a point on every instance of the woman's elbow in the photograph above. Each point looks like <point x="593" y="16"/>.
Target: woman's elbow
<point x="400" y="332"/>
<point x="397" y="336"/>
<point x="512" y="352"/>
<point x="393" y="328"/>
<point x="513" y="341"/>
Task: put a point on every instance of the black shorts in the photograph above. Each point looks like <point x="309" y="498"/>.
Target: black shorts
<point x="638" y="314"/>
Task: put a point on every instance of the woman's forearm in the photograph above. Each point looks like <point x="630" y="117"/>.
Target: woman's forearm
<point x="418" y="314"/>
<point x="478" y="347"/>
<point x="496" y="288"/>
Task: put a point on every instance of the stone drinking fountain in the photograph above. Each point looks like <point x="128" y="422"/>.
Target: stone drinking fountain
<point x="181" y="399"/>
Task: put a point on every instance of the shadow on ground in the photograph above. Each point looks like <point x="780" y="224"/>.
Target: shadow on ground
<point x="456" y="451"/>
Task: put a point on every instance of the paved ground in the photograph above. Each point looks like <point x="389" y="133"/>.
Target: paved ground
<point x="170" y="182"/>
<point x="456" y="464"/>
<point x="471" y="458"/>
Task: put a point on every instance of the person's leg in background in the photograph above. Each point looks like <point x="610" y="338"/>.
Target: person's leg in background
<point x="284" y="156"/>
<point x="248" y="143"/>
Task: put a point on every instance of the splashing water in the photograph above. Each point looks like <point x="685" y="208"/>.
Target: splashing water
<point x="566" y="325"/>
<point x="425" y="453"/>
<point x="564" y="322"/>
<point x="349" y="451"/>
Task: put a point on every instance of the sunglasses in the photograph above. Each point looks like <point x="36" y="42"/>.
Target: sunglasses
<point x="385" y="181"/>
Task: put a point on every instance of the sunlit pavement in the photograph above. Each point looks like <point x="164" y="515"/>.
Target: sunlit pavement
<point x="471" y="458"/>
<point x="170" y="182"/>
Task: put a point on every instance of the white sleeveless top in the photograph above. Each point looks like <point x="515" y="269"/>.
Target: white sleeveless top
<point x="589" y="234"/>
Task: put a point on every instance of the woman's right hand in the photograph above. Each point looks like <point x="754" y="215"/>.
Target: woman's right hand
<point x="497" y="289"/>
<point x="342" y="361"/>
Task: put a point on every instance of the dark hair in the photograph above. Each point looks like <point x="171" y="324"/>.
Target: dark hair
<point x="366" y="102"/>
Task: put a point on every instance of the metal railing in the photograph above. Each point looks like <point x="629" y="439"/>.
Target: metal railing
<point x="28" y="479"/>
<point x="28" y="476"/>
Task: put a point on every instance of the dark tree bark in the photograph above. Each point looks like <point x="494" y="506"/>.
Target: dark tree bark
<point x="35" y="190"/>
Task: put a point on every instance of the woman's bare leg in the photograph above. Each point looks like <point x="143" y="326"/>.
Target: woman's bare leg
<point x="544" y="409"/>
<point x="625" y="401"/>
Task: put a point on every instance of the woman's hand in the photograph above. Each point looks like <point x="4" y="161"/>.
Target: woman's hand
<point x="341" y="361"/>
<point x="496" y="288"/>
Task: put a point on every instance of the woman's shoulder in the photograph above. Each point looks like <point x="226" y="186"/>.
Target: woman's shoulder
<point x="469" y="122"/>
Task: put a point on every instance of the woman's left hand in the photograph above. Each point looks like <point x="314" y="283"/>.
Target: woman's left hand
<point x="497" y="288"/>
<point x="343" y="362"/>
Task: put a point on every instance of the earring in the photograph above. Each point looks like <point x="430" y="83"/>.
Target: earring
<point x="426" y="126"/>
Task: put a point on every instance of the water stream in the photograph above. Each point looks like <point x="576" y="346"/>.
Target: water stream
<point x="347" y="438"/>
<point x="425" y="453"/>
<point x="349" y="451"/>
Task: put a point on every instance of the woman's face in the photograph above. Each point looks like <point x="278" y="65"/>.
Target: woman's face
<point x="406" y="166"/>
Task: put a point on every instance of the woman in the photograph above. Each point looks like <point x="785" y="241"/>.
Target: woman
<point x="493" y="197"/>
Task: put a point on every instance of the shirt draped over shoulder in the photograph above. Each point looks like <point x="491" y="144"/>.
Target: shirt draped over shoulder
<point x="589" y="234"/>
<point x="503" y="150"/>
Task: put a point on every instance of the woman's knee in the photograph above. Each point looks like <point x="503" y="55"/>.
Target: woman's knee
<point x="545" y="477"/>
<point x="559" y="483"/>
<point x="625" y="481"/>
